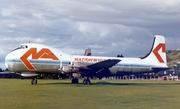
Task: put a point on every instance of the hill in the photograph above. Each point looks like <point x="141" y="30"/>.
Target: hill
<point x="173" y="57"/>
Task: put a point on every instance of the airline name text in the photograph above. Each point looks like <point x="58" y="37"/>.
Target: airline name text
<point x="88" y="59"/>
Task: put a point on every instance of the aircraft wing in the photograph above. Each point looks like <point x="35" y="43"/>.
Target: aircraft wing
<point x="98" y="68"/>
<point x="103" y="64"/>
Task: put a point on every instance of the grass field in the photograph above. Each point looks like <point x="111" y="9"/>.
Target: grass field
<point x="61" y="94"/>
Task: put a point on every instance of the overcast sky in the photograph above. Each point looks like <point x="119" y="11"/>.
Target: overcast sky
<point x="108" y="27"/>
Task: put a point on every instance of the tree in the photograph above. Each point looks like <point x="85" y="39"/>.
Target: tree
<point x="1" y="70"/>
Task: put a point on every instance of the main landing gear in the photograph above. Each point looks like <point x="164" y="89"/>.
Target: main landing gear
<point x="86" y="81"/>
<point x="74" y="81"/>
<point x="34" y="80"/>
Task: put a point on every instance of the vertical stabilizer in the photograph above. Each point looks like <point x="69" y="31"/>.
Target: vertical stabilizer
<point x="157" y="55"/>
<point x="87" y="52"/>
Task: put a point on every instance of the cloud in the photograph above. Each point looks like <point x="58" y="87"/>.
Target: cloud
<point x="108" y="27"/>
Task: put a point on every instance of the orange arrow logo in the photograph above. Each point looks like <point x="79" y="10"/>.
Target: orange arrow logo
<point x="43" y="53"/>
<point x="155" y="51"/>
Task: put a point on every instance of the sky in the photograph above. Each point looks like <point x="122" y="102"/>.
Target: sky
<point x="108" y="27"/>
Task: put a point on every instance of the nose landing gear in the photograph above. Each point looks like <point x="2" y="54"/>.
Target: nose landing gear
<point x="34" y="81"/>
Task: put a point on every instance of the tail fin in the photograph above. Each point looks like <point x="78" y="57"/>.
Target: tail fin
<point x="87" y="52"/>
<point x="157" y="55"/>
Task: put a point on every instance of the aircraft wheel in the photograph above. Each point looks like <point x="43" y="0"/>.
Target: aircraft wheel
<point x="86" y="82"/>
<point x="75" y="81"/>
<point x="34" y="81"/>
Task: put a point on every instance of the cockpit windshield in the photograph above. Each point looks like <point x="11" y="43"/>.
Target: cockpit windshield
<point x="21" y="47"/>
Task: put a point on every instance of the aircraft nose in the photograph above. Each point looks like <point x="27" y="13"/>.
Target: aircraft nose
<point x="9" y="60"/>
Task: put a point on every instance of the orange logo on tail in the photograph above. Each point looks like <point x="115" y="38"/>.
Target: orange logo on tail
<point x="43" y="53"/>
<point x="155" y="51"/>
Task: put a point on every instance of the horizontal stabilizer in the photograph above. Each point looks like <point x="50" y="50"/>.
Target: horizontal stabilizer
<point x="104" y="64"/>
<point x="157" y="69"/>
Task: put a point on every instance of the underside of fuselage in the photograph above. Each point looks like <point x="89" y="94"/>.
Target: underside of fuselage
<point x="44" y="68"/>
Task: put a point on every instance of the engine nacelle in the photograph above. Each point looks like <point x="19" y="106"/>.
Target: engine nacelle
<point x="76" y="75"/>
<point x="66" y="69"/>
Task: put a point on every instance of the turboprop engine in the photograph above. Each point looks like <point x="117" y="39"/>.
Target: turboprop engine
<point x="69" y="69"/>
<point x="66" y="69"/>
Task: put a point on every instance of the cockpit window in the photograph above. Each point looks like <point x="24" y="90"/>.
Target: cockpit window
<point x="21" y="47"/>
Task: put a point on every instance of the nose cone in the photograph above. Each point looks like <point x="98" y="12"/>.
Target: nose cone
<point x="9" y="61"/>
<point x="6" y="60"/>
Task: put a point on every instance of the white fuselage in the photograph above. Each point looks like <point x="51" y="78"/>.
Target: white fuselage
<point x="18" y="60"/>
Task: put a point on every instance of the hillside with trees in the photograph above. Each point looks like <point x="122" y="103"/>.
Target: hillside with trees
<point x="173" y="57"/>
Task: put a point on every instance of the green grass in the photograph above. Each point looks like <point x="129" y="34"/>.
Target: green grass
<point x="61" y="94"/>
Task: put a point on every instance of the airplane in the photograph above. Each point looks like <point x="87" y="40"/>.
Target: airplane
<point x="32" y="59"/>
